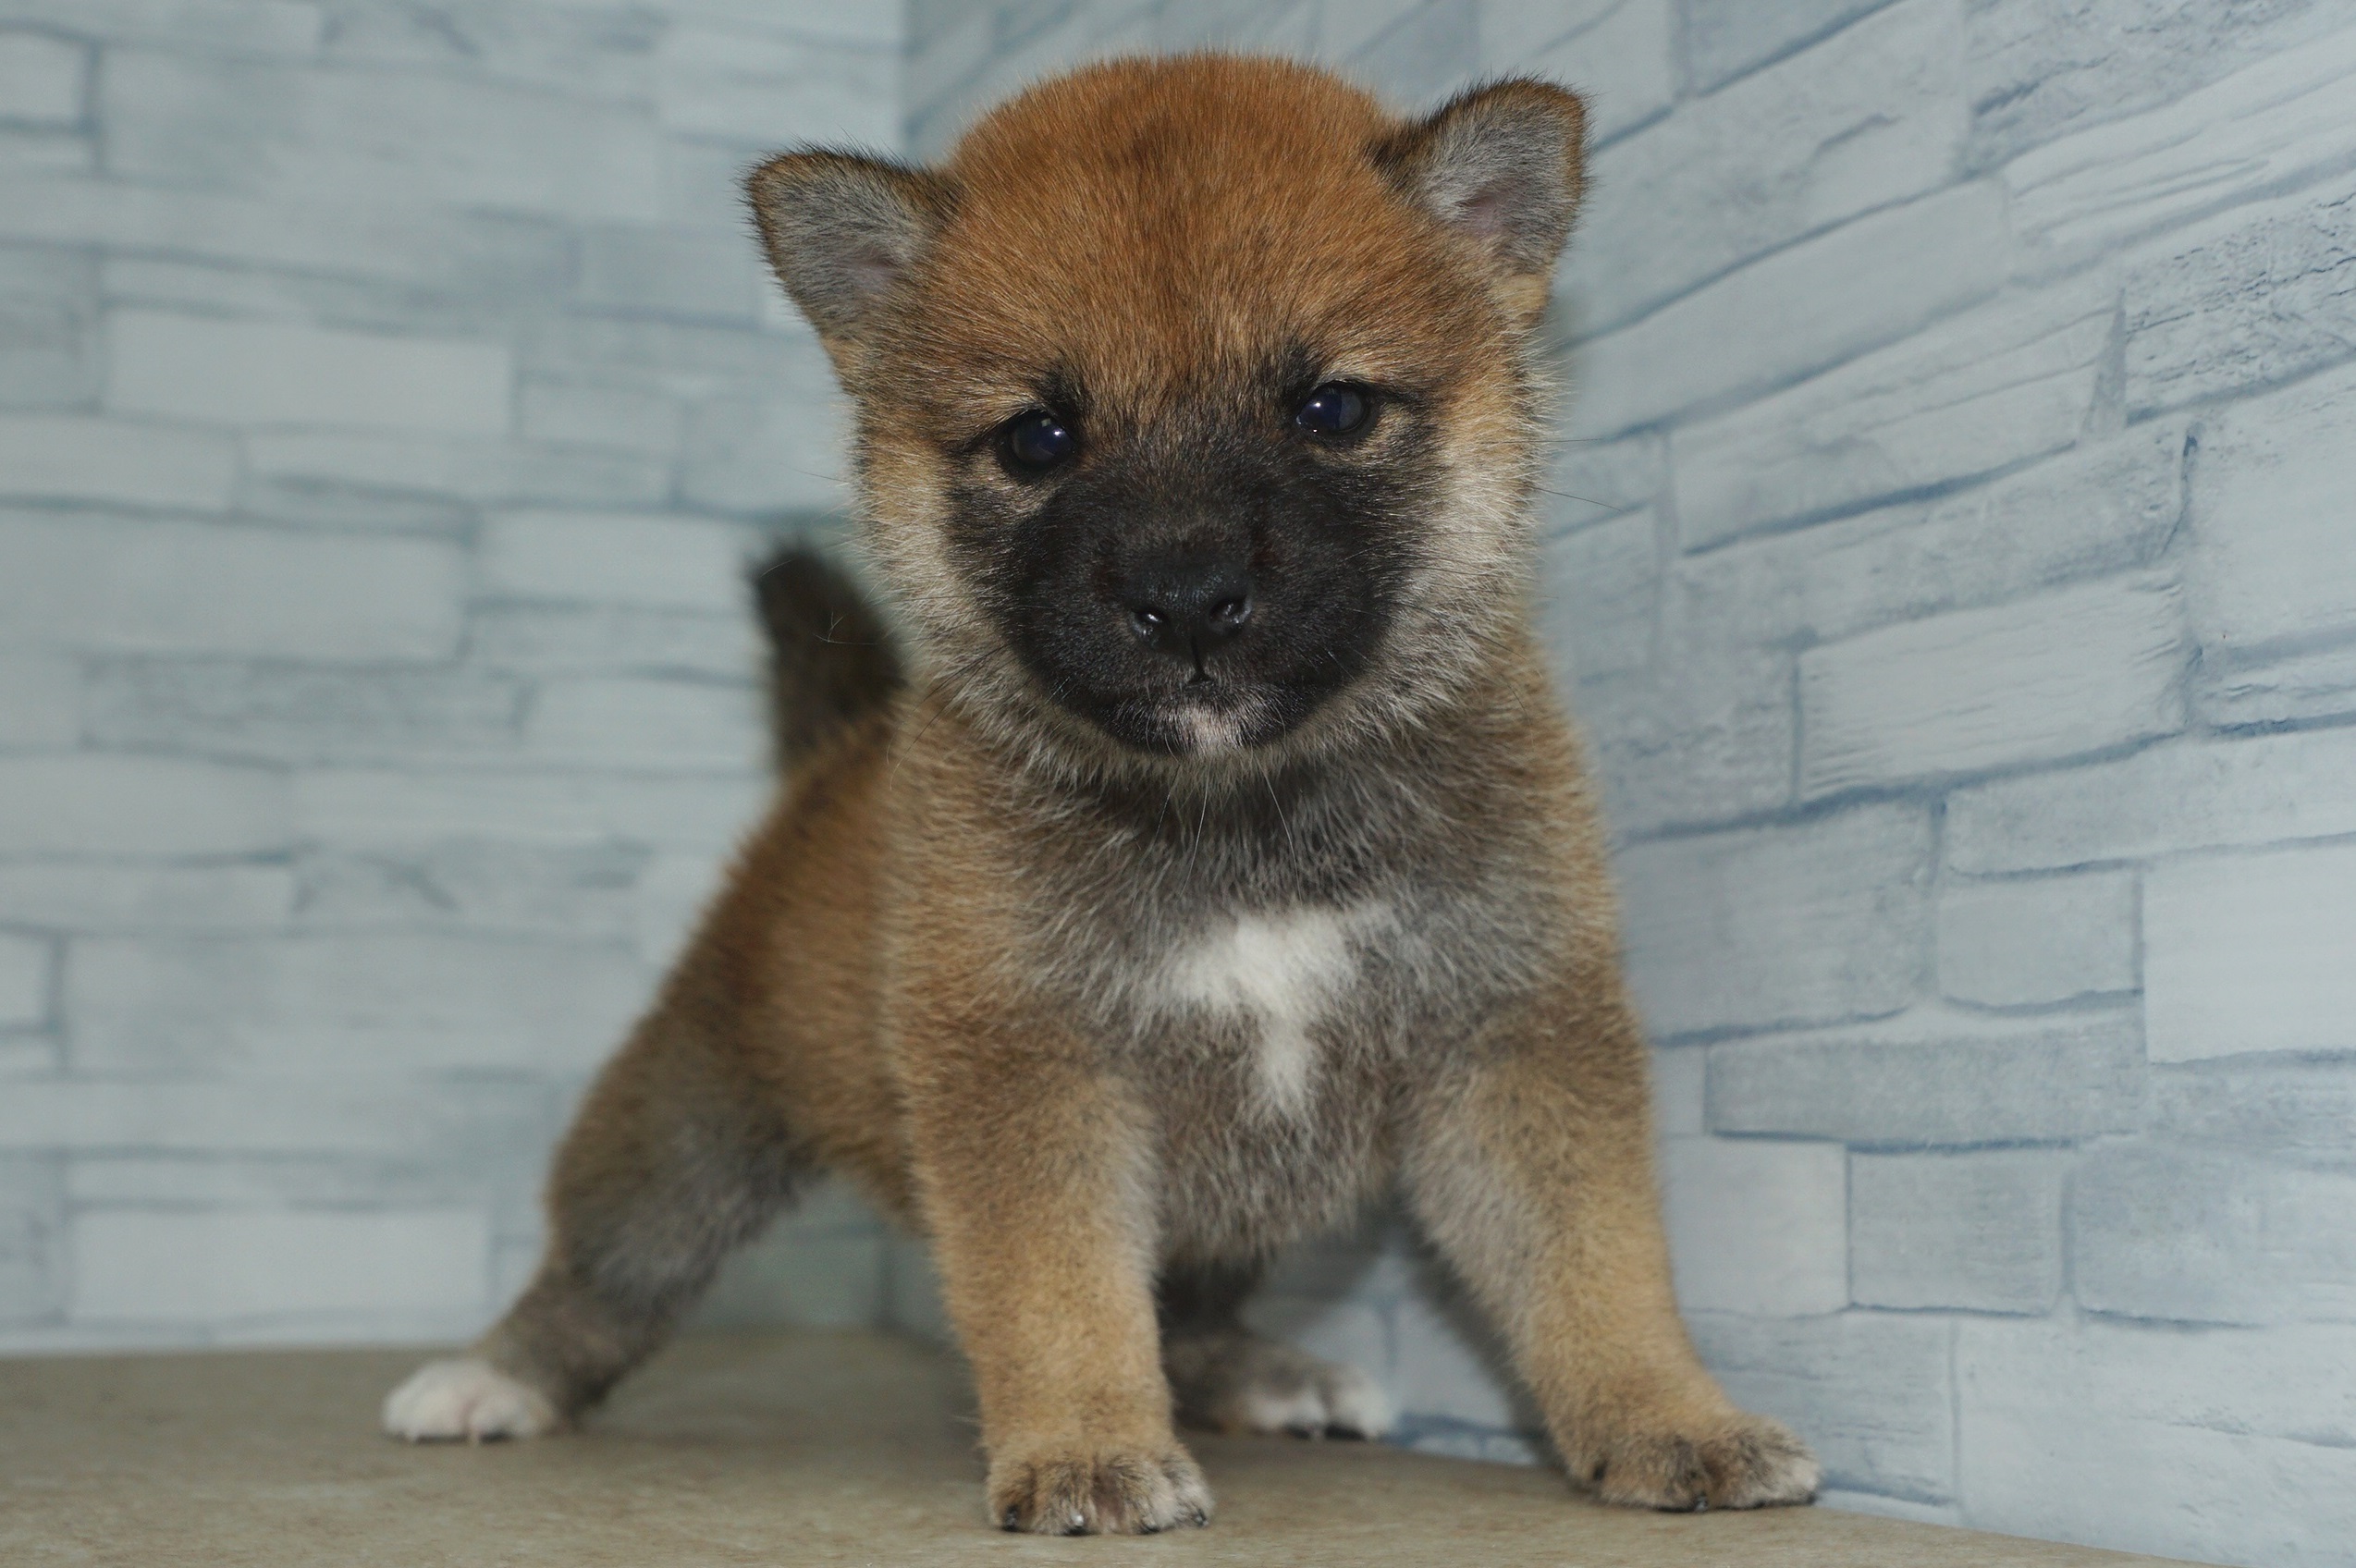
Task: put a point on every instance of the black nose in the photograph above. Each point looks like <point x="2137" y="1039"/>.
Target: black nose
<point x="1186" y="606"/>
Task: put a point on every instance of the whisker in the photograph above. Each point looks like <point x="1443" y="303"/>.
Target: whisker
<point x="1609" y="509"/>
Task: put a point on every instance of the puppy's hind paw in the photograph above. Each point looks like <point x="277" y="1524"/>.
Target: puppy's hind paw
<point x="1243" y="1383"/>
<point x="465" y="1400"/>
<point x="1309" y="1398"/>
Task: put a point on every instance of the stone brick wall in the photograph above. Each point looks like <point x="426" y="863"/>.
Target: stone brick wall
<point x="1952" y="563"/>
<point x="389" y="398"/>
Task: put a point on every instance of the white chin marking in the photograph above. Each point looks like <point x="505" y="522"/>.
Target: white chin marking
<point x="1208" y="731"/>
<point x="465" y="1400"/>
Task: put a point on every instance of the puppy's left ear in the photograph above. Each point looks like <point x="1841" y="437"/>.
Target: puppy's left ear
<point x="1502" y="166"/>
<point x="844" y="232"/>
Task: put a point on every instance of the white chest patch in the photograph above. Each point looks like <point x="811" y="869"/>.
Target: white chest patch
<point x="1282" y="970"/>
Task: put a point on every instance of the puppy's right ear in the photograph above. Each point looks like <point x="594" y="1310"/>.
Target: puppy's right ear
<point x="844" y="231"/>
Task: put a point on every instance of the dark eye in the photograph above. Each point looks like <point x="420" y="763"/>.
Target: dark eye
<point x="1037" y="441"/>
<point x="1334" y="409"/>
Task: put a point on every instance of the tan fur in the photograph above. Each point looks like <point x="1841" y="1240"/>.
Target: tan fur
<point x="944" y="966"/>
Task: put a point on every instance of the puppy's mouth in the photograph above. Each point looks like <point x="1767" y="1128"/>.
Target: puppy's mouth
<point x="1208" y="716"/>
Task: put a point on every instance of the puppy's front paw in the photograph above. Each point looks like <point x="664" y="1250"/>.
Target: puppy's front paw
<point x="1099" y="1491"/>
<point x="1739" y="1461"/>
<point x="469" y="1400"/>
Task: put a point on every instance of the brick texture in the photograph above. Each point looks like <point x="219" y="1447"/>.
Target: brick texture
<point x="1757" y="1226"/>
<point x="1780" y="924"/>
<point x="376" y="686"/>
<point x="2224" y="1445"/>
<point x="1872" y="1389"/>
<point x="2038" y="942"/>
<point x="1977" y="1230"/>
<point x="2190" y="1234"/>
<point x="2085" y="671"/>
<point x="2247" y="953"/>
<point x="1935" y="1077"/>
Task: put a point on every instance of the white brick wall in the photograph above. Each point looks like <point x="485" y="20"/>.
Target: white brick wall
<point x="2083" y="671"/>
<point x="1962" y="399"/>
<point x="25" y="966"/>
<point x="85" y="458"/>
<point x="2210" y="791"/>
<point x="376" y="686"/>
<point x="2179" y="1231"/>
<point x="1776" y="925"/>
<point x="1873" y="1391"/>
<point x="2250" y="953"/>
<point x="277" y="1272"/>
<point x="1980" y="1231"/>
<point x="93" y="804"/>
<point x="2274" y="507"/>
<point x="1961" y="608"/>
<point x="96" y="583"/>
<point x="2220" y="1444"/>
<point x="649" y="561"/>
<point x="264" y="374"/>
<point x="1765" y="325"/>
<point x="1871" y="118"/>
<point x="43" y="80"/>
<point x="1757" y="1225"/>
<point x="2030" y="943"/>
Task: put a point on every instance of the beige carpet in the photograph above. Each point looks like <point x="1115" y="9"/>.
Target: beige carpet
<point x="807" y="1448"/>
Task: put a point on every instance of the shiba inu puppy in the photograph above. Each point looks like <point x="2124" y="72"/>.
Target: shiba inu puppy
<point x="1202" y="851"/>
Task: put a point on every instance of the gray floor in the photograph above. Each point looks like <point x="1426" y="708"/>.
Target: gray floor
<point x="851" y="1449"/>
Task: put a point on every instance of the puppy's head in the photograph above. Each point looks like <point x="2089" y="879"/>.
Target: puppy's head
<point x="1195" y="408"/>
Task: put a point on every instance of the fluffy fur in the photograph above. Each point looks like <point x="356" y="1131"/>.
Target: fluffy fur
<point x="1113" y="957"/>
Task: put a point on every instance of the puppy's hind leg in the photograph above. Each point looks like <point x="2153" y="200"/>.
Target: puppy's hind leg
<point x="1223" y="1377"/>
<point x="675" y="1158"/>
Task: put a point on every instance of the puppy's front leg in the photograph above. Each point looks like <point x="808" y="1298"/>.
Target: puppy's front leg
<point x="1034" y="1167"/>
<point x="1532" y="1169"/>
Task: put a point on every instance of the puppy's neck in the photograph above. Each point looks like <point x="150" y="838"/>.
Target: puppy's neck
<point x="1314" y="823"/>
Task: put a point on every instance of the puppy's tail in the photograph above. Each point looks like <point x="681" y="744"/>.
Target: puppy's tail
<point x="830" y="660"/>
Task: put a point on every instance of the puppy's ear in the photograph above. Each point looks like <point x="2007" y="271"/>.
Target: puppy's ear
<point x="844" y="231"/>
<point x="1502" y="166"/>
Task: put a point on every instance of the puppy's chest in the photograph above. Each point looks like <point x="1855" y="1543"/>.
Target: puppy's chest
<point x="1271" y="1045"/>
<point x="1274" y="1041"/>
<point x="1279" y="1008"/>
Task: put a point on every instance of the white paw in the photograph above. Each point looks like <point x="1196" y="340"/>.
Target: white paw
<point x="1279" y="1388"/>
<point x="447" y="1400"/>
<point x="1300" y="1409"/>
<point x="1355" y="1402"/>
